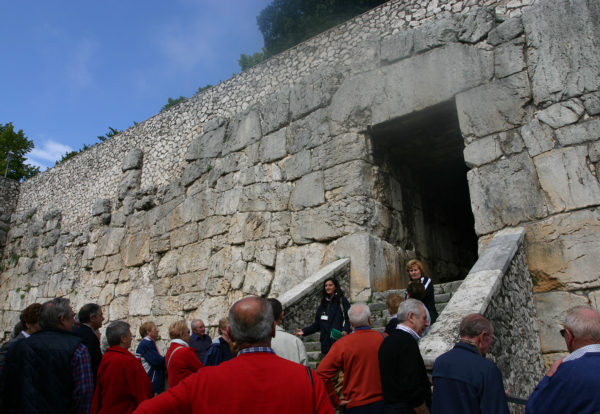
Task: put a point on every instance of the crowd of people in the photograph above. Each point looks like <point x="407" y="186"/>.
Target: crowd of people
<point x="56" y="364"/>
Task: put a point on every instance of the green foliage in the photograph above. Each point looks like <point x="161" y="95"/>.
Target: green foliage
<point x="172" y="102"/>
<point x="203" y="88"/>
<point x="111" y="133"/>
<point x="246" y="62"/>
<point x="285" y="23"/>
<point x="18" y="145"/>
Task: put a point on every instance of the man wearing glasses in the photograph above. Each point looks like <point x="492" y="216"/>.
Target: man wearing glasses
<point x="572" y="383"/>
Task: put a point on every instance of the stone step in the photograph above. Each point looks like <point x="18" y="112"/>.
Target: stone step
<point x="312" y="346"/>
<point x="314" y="355"/>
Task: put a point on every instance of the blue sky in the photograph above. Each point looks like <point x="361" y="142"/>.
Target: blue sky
<point x="72" y="68"/>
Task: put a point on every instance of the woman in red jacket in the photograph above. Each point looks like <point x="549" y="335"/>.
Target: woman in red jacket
<point x="181" y="359"/>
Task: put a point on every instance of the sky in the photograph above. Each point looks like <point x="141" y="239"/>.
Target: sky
<point x="72" y="68"/>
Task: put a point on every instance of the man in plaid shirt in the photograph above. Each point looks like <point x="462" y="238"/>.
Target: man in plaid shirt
<point x="51" y="371"/>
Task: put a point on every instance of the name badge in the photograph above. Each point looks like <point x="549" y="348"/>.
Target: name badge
<point x="324" y="317"/>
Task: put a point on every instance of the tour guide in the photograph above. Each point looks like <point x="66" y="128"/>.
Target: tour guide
<point x="256" y="381"/>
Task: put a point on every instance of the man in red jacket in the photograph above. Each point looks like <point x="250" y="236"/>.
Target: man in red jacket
<point x="122" y="381"/>
<point x="256" y="381"/>
<point x="356" y="356"/>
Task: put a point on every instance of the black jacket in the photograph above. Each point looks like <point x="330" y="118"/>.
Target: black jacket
<point x="335" y="320"/>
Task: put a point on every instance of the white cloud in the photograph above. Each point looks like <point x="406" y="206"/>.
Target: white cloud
<point x="47" y="154"/>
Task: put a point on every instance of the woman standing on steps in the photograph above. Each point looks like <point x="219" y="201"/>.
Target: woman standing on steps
<point x="417" y="274"/>
<point x="331" y="314"/>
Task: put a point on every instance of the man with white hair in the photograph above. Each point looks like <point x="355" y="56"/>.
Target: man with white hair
<point x="356" y="356"/>
<point x="255" y="381"/>
<point x="404" y="382"/>
<point x="572" y="383"/>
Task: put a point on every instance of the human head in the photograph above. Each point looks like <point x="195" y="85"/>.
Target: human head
<point x="277" y="310"/>
<point x="581" y="328"/>
<point x="18" y="328"/>
<point x="30" y="316"/>
<point x="251" y="322"/>
<point x="412" y="313"/>
<point x="331" y="287"/>
<point x="57" y="314"/>
<point x="415" y="269"/>
<point x="149" y="329"/>
<point x="477" y="330"/>
<point x="416" y="290"/>
<point x="359" y="315"/>
<point x="179" y="330"/>
<point x="223" y="324"/>
<point x="392" y="301"/>
<point x="91" y="314"/>
<point x="198" y="327"/>
<point x="119" y="333"/>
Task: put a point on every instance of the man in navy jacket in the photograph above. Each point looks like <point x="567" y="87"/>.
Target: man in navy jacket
<point x="571" y="386"/>
<point x="464" y="381"/>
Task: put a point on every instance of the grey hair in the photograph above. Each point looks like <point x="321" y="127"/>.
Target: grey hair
<point x="193" y="324"/>
<point x="249" y="329"/>
<point x="409" y="305"/>
<point x="473" y="325"/>
<point x="359" y="314"/>
<point x="584" y="324"/>
<point x="115" y="331"/>
<point x="52" y="311"/>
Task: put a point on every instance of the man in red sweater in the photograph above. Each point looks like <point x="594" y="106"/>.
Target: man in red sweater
<point x="356" y="356"/>
<point x="122" y="382"/>
<point x="256" y="381"/>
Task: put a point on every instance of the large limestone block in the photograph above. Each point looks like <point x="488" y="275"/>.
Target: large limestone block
<point x="313" y="91"/>
<point x="477" y="25"/>
<point x="133" y="160"/>
<point x="562" y="113"/>
<point x="119" y="308"/>
<point x="272" y="146"/>
<point x="265" y="197"/>
<point x="505" y="31"/>
<point x="228" y="201"/>
<point x="308" y="132"/>
<point x="493" y="107"/>
<point x="213" y="226"/>
<point x="136" y="249"/>
<point x="245" y="130"/>
<point x="295" y="264"/>
<point x="228" y="263"/>
<point x="184" y="235"/>
<point x="579" y="133"/>
<point x="505" y="193"/>
<point x="193" y="257"/>
<point x="340" y="149"/>
<point x="509" y="59"/>
<point x="564" y="53"/>
<point x="551" y="309"/>
<point x="562" y="251"/>
<point x="538" y="137"/>
<point x="296" y="165"/>
<point x="566" y="179"/>
<point x="276" y="110"/>
<point x="409" y="85"/>
<point x="396" y="46"/>
<point x="321" y="224"/>
<point x="211" y="309"/>
<point x="482" y="151"/>
<point x="167" y="266"/>
<point x="353" y="178"/>
<point x="375" y="265"/>
<point x="199" y="206"/>
<point x="140" y="301"/>
<point x="258" y="280"/>
<point x="207" y="145"/>
<point x="308" y="191"/>
<point x="595" y="299"/>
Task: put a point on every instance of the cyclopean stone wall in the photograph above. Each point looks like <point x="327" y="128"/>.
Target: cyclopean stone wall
<point x="258" y="182"/>
<point x="9" y="193"/>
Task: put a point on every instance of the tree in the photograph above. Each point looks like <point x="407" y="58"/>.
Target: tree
<point x="13" y="147"/>
<point x="111" y="133"/>
<point x="285" y="23"/>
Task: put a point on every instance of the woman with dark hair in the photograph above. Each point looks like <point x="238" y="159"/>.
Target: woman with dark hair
<point x="331" y="314"/>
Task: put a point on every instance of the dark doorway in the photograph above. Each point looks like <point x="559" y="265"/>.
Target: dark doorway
<point x="421" y="157"/>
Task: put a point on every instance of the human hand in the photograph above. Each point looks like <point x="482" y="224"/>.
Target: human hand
<point x="299" y="332"/>
<point x="554" y="367"/>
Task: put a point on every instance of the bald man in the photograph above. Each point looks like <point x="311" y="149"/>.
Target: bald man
<point x="464" y="381"/>
<point x="255" y="381"/>
<point x="572" y="383"/>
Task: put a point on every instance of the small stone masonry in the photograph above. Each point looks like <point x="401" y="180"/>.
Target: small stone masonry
<point x="255" y="184"/>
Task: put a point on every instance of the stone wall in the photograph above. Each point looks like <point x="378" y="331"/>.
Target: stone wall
<point x="253" y="185"/>
<point x="9" y="194"/>
<point x="499" y="287"/>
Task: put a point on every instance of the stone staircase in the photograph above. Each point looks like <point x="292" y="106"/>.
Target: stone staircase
<point x="380" y="315"/>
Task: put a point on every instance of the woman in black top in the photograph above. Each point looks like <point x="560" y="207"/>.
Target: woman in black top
<point x="417" y="274"/>
<point x="332" y="313"/>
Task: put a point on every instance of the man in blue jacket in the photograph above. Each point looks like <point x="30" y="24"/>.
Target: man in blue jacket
<point x="464" y="381"/>
<point x="572" y="383"/>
